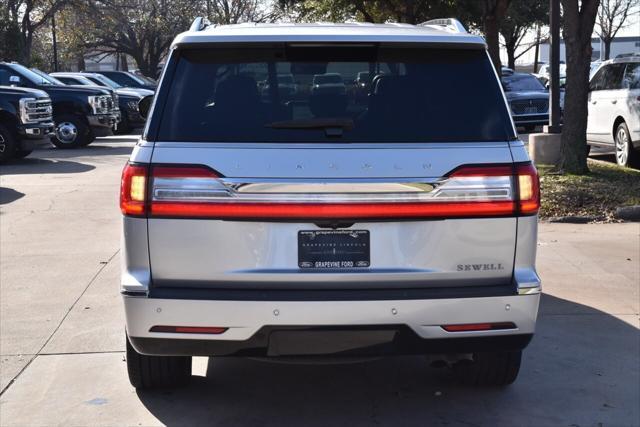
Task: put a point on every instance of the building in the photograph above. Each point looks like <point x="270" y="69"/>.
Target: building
<point x="619" y="45"/>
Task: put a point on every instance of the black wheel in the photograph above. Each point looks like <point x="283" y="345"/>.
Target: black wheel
<point x="148" y="372"/>
<point x="124" y="127"/>
<point x="489" y="369"/>
<point x="8" y="144"/>
<point x="530" y="128"/>
<point x="21" y="154"/>
<point x="625" y="154"/>
<point x="71" y="132"/>
<point x="89" y="140"/>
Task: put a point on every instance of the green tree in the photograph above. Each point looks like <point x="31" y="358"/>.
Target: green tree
<point x="411" y="12"/>
<point x="10" y="38"/>
<point x="521" y="17"/>
<point x="30" y="16"/>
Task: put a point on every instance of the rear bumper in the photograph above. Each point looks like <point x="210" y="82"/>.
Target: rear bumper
<point x="394" y="326"/>
<point x="383" y="340"/>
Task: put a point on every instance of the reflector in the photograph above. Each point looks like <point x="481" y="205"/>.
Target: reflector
<point x="470" y="327"/>
<point x="214" y="330"/>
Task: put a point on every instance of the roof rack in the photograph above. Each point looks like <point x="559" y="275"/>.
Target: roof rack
<point x="199" y="24"/>
<point x="450" y="24"/>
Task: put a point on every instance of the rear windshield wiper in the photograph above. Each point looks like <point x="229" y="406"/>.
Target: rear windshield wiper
<point x="332" y="127"/>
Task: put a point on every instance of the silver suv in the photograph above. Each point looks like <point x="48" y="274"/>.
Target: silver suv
<point x="324" y="222"/>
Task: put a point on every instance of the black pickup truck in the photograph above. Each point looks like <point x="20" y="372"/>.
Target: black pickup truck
<point x="80" y="114"/>
<point x="25" y="118"/>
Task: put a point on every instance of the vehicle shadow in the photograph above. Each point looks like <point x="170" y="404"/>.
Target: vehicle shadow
<point x="580" y="369"/>
<point x="8" y="195"/>
<point x="96" y="149"/>
<point x="35" y="165"/>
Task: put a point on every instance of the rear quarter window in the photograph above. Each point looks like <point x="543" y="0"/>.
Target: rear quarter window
<point x="333" y="94"/>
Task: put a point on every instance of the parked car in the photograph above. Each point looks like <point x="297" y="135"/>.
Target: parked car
<point x="505" y="71"/>
<point x="403" y="226"/>
<point x="287" y="87"/>
<point x="128" y="98"/>
<point x="128" y="79"/>
<point x="544" y="72"/>
<point x="614" y="109"/>
<point x="86" y="82"/>
<point x="528" y="100"/>
<point x="80" y="114"/>
<point x="26" y="116"/>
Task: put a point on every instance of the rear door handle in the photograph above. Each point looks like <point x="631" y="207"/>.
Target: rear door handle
<point x="593" y="102"/>
<point x="614" y="101"/>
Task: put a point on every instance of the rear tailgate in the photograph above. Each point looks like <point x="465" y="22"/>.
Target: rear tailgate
<point x="262" y="252"/>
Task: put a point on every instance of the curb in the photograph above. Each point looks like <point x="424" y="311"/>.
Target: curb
<point x="628" y="213"/>
<point x="573" y="219"/>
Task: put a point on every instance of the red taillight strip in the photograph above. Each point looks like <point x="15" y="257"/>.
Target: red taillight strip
<point x="324" y="211"/>
<point x="213" y="330"/>
<point x="471" y="327"/>
<point x="135" y="200"/>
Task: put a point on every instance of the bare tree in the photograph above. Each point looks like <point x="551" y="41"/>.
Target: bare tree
<point x="30" y="16"/>
<point x="578" y="21"/>
<point x="521" y="17"/>
<point x="237" y="11"/>
<point x="612" y="17"/>
<point x="143" y="29"/>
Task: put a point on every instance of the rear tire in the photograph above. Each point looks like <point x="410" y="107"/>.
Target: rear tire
<point x="149" y="372"/>
<point x="489" y="369"/>
<point x="124" y="127"/>
<point x="8" y="144"/>
<point x="21" y="154"/>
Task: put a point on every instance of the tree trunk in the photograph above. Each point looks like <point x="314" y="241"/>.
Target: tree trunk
<point x="80" y="62"/>
<point x="537" y="50"/>
<point x="511" y="56"/>
<point x="492" y="37"/>
<point x="607" y="48"/>
<point x="577" y="30"/>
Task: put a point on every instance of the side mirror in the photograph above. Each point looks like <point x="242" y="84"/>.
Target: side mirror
<point x="144" y="105"/>
<point x="14" y="80"/>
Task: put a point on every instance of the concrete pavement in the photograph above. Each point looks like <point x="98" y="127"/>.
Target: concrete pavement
<point x="61" y="330"/>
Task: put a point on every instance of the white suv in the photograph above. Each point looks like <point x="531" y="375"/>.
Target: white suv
<point x="329" y="224"/>
<point x="614" y="109"/>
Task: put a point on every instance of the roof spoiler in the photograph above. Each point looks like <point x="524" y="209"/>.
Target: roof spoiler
<point x="199" y="24"/>
<point x="450" y="24"/>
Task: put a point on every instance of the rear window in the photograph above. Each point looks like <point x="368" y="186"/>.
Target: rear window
<point x="337" y="94"/>
<point x="521" y="83"/>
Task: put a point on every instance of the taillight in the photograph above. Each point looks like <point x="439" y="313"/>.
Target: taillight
<point x="186" y="191"/>
<point x="133" y="190"/>
<point x="528" y="196"/>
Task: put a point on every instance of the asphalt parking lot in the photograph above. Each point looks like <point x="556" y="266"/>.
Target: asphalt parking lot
<point x="62" y="336"/>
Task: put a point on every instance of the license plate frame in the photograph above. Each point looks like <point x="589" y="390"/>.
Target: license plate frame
<point x="334" y="249"/>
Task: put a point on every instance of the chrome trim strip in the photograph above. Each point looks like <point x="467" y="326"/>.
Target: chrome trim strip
<point x="457" y="189"/>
